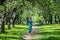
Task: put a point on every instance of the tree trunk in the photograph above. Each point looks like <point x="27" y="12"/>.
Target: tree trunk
<point x="14" y="21"/>
<point x="18" y="21"/>
<point x="2" y="24"/>
<point x="58" y="19"/>
<point x="9" y="22"/>
<point x="50" y="19"/>
<point x="55" y="19"/>
<point x="9" y="25"/>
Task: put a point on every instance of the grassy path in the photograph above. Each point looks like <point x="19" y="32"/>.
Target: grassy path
<point x="33" y="35"/>
<point x="44" y="32"/>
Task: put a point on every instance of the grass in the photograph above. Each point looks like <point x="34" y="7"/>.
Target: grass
<point x="49" y="32"/>
<point x="15" y="33"/>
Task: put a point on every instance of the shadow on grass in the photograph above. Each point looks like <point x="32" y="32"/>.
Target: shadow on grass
<point x="42" y="33"/>
<point x="49" y="38"/>
<point x="56" y="29"/>
<point x="48" y="33"/>
<point x="4" y="32"/>
<point x="11" y="38"/>
<point x="16" y="33"/>
<point x="20" y="28"/>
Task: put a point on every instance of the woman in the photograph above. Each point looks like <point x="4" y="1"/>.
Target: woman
<point x="30" y="24"/>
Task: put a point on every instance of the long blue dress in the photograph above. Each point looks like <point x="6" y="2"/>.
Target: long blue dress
<point x="29" y="25"/>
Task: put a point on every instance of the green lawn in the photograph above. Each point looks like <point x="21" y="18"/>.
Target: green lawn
<point x="15" y="33"/>
<point x="49" y="32"/>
